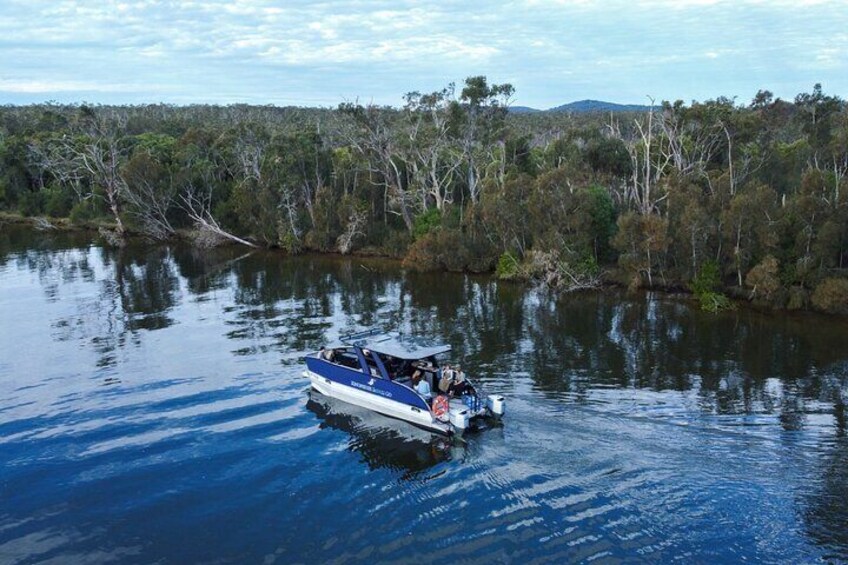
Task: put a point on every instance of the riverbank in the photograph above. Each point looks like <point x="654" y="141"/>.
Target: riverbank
<point x="604" y="278"/>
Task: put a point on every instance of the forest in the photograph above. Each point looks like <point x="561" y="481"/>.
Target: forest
<point x="727" y="200"/>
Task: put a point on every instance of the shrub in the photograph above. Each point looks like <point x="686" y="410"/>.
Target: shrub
<point x="706" y="286"/>
<point x="84" y="212"/>
<point x="588" y="266"/>
<point x="707" y="279"/>
<point x="288" y="242"/>
<point x="507" y="266"/>
<point x="31" y="203"/>
<point x="426" y="222"/>
<point x="714" y="302"/>
<point x="396" y="243"/>
<point x="799" y="297"/>
<point x="423" y="255"/>
<point x="319" y="240"/>
<point x="448" y="249"/>
<point x="58" y="203"/>
<point x="764" y="278"/>
<point x="831" y="295"/>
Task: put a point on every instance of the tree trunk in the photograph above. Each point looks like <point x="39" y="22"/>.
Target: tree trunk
<point x="739" y="254"/>
<point x="694" y="256"/>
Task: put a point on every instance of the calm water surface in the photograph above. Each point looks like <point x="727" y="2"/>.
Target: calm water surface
<point x="152" y="409"/>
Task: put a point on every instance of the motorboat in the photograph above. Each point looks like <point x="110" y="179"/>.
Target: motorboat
<point x="384" y="372"/>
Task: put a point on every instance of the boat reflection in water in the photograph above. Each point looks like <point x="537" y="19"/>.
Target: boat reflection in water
<point x="385" y="442"/>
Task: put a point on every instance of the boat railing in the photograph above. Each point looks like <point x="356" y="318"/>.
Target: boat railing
<point x="349" y="339"/>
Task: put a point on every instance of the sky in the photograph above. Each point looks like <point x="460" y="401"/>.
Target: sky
<point x="323" y="53"/>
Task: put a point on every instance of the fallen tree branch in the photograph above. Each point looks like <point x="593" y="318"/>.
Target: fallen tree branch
<point x="197" y="207"/>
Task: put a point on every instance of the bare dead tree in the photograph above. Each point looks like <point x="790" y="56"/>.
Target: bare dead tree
<point x="250" y="150"/>
<point x="647" y="167"/>
<point x="149" y="196"/>
<point x="840" y="170"/>
<point x="88" y="161"/>
<point x="311" y="178"/>
<point x="288" y="209"/>
<point x="197" y="204"/>
<point x="688" y="146"/>
<point x="150" y="208"/>
<point x="355" y="228"/>
<point x="646" y="132"/>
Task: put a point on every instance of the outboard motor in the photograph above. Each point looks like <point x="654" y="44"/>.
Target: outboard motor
<point x="460" y="419"/>
<point x="496" y="405"/>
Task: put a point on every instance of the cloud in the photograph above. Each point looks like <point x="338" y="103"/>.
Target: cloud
<point x="34" y="86"/>
<point x="297" y="50"/>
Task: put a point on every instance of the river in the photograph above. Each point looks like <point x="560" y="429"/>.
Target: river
<point x="152" y="409"/>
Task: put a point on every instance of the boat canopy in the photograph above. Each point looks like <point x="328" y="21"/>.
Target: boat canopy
<point x="395" y="345"/>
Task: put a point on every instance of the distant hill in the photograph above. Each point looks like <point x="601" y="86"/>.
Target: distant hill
<point x="584" y="107"/>
<point x="523" y="110"/>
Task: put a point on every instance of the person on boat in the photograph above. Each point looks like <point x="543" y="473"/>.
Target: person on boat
<point x="446" y="378"/>
<point x="327" y="354"/>
<point x="421" y="385"/>
<point x="392" y="366"/>
<point x="458" y="385"/>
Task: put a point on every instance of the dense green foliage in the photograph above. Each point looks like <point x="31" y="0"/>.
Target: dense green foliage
<point x="749" y="200"/>
<point x="707" y="288"/>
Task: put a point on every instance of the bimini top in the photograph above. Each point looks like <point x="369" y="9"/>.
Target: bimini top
<point x="394" y="345"/>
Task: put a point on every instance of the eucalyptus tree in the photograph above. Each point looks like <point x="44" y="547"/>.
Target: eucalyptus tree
<point x="258" y="204"/>
<point x="89" y="159"/>
<point x="296" y="173"/>
<point x="749" y="228"/>
<point x="817" y="113"/>
<point x="278" y="177"/>
<point x="434" y="154"/>
<point x="691" y="137"/>
<point x="372" y="132"/>
<point x="567" y="213"/>
<point x="640" y="139"/>
<point x="642" y="240"/>
<point x="692" y="225"/>
<point x="481" y="119"/>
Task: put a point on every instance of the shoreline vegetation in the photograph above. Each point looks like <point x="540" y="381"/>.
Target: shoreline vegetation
<point x="723" y="200"/>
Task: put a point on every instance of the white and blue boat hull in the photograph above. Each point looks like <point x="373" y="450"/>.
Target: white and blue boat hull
<point x="377" y="399"/>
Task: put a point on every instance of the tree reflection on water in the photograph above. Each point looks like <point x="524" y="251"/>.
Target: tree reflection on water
<point x="655" y="356"/>
<point x="742" y="362"/>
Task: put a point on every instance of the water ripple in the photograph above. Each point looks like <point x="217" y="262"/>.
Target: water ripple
<point x="153" y="410"/>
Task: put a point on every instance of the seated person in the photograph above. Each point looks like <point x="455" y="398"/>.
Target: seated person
<point x="402" y="378"/>
<point x="391" y="365"/>
<point x="458" y="385"/>
<point x="421" y="385"/>
<point x="327" y="354"/>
